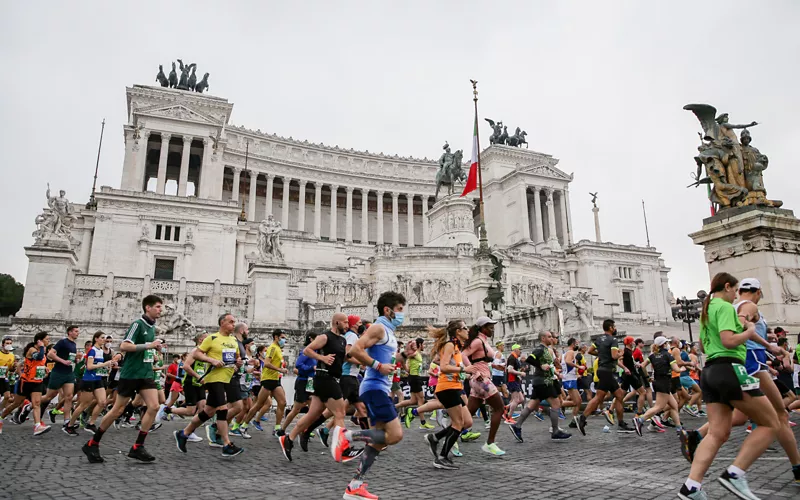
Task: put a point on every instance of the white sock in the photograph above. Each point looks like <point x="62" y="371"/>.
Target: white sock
<point x="735" y="471"/>
<point x="692" y="484"/>
<point x="355" y="484"/>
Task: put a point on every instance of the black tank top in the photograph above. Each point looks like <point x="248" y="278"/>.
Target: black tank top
<point x="334" y="345"/>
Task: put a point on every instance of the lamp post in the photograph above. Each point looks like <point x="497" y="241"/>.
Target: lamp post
<point x="688" y="310"/>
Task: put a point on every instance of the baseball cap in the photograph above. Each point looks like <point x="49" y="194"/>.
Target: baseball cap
<point x="661" y="340"/>
<point x="352" y="320"/>
<point x="484" y="320"/>
<point x="749" y="283"/>
<point x="515" y="347"/>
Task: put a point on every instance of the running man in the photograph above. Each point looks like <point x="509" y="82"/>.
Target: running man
<point x="663" y="365"/>
<point x="62" y="378"/>
<point x="570" y="365"/>
<point x="631" y="381"/>
<point x="135" y="377"/>
<point x="6" y="368"/>
<point x="271" y="374"/>
<point x="416" y="382"/>
<point x="499" y="370"/>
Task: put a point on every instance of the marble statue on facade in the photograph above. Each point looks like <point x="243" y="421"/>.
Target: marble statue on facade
<point x="450" y="170"/>
<point x="731" y="167"/>
<point x="269" y="240"/>
<point x="55" y="223"/>
<point x="171" y="321"/>
<point x="577" y="311"/>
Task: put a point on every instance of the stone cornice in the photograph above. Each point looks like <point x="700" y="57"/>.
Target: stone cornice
<point x="165" y="205"/>
<point x="527" y="161"/>
<point x="164" y="97"/>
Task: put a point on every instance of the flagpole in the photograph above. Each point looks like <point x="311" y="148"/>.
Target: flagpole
<point x="92" y="204"/>
<point x="484" y="244"/>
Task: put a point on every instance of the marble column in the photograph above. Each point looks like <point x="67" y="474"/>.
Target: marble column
<point x="239" y="265"/>
<point x="301" y="213"/>
<point x="268" y="196"/>
<point x="287" y="187"/>
<point x="425" y="219"/>
<point x="162" y="164"/>
<point x="348" y="231"/>
<point x="334" y="196"/>
<point x="251" y="203"/>
<point x="141" y="162"/>
<point x="525" y="226"/>
<point x="364" y="216"/>
<point x="564" y="227"/>
<point x="379" y="236"/>
<point x="237" y="178"/>
<point x="183" y="177"/>
<point x="410" y="218"/>
<point x="317" y="209"/>
<point x="395" y="220"/>
<point x="569" y="218"/>
<point x="539" y="218"/>
<point x="531" y="216"/>
<point x="551" y="216"/>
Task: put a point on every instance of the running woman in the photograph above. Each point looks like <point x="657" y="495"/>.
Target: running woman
<point x="726" y="385"/>
<point x="304" y="369"/>
<point x="93" y="387"/>
<point x="416" y="382"/>
<point x="31" y="381"/>
<point x="6" y="368"/>
<point x="569" y="375"/>
<point x="499" y="369"/>
<point x="350" y="369"/>
<point x="631" y="381"/>
<point x="663" y="366"/>
<point x="376" y="350"/>
<point x="271" y="374"/>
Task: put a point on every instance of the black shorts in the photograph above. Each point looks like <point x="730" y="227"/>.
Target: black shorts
<point x="498" y="380"/>
<point x="607" y="382"/>
<point x="514" y="387"/>
<point x="643" y="375"/>
<point x="466" y="387"/>
<point x="720" y="384"/>
<point x="349" y="385"/>
<point x="92" y="385"/>
<point x="631" y="381"/>
<point x="234" y="392"/>
<point x="270" y="385"/>
<point x="129" y="387"/>
<point x="326" y="387"/>
<point x="782" y="387"/>
<point x="416" y="383"/>
<point x="301" y="395"/>
<point x="28" y="388"/>
<point x="193" y="393"/>
<point x="543" y="392"/>
<point x="450" y="398"/>
<point x="256" y="389"/>
<point x="112" y="384"/>
<point x="585" y="383"/>
<point x="222" y="393"/>
<point x="674" y="385"/>
<point x="662" y="384"/>
<point x="4" y="386"/>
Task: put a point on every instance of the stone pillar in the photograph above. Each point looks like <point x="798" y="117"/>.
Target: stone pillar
<point x="562" y="201"/>
<point x="379" y="236"/>
<point x="251" y="203"/>
<point x="334" y="196"/>
<point x="525" y="226"/>
<point x="183" y="177"/>
<point x="348" y="232"/>
<point x="317" y="209"/>
<point x="51" y="272"/>
<point x="140" y="167"/>
<point x="287" y="186"/>
<point x="551" y="217"/>
<point x="268" y="202"/>
<point x="269" y="287"/>
<point x="364" y="216"/>
<point x="597" y="237"/>
<point x="301" y="214"/>
<point x="425" y="219"/>
<point x="569" y="217"/>
<point x="395" y="220"/>
<point x="86" y="247"/>
<point x="162" y="164"/>
<point x="239" y="266"/>
<point x="539" y="218"/>
<point x="237" y="178"/>
<point x="410" y="219"/>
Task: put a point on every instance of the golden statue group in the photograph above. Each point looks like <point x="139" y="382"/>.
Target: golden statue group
<point x="734" y="169"/>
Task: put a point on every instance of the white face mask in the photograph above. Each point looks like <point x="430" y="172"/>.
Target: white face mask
<point x="9" y="347"/>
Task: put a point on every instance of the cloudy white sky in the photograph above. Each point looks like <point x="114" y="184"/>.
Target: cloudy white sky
<point x="599" y="85"/>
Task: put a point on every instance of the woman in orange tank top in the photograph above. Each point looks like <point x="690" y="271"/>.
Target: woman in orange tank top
<point x="34" y="370"/>
<point x="452" y="372"/>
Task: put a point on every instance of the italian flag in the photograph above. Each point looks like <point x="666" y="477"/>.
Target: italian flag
<point x="472" y="179"/>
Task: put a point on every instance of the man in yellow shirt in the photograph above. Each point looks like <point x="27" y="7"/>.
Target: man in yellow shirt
<point x="271" y="374"/>
<point x="6" y="365"/>
<point x="221" y="351"/>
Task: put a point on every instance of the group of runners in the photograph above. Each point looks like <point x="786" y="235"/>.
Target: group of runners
<point x="226" y="384"/>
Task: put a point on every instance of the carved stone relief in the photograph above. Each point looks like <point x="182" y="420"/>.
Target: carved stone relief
<point x="790" y="280"/>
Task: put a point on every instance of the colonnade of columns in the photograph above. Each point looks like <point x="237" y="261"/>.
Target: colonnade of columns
<point x="162" y="173"/>
<point x="548" y="216"/>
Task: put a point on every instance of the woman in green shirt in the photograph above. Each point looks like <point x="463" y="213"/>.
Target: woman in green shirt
<point x="726" y="385"/>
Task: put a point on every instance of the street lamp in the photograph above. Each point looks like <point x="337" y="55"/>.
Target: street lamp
<point x="688" y="310"/>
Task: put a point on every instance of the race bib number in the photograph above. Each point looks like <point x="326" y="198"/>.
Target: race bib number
<point x="3" y="371"/>
<point x="41" y="371"/>
<point x="72" y="358"/>
<point x="310" y="385"/>
<point x="101" y="372"/>
<point x="149" y="356"/>
<point x="746" y="382"/>
<point x="248" y="379"/>
<point x="229" y="356"/>
<point x="200" y="370"/>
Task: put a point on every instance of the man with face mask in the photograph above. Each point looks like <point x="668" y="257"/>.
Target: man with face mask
<point x="6" y="365"/>
<point x="271" y="374"/>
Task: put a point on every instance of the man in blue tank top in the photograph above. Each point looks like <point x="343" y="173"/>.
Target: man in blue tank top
<point x="376" y="350"/>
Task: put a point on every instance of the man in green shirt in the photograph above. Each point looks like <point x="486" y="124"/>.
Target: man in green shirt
<point x="136" y="376"/>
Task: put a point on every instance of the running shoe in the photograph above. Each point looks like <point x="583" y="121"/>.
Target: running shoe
<point x="359" y="493"/>
<point x="653" y="428"/>
<point x="581" y="421"/>
<point x="561" y="414"/>
<point x="470" y="436"/>
<point x="211" y="434"/>
<point x="408" y="418"/>
<point x="656" y="420"/>
<point x="53" y="414"/>
<point x="560" y="435"/>
<point x="609" y="417"/>
<point x="693" y="494"/>
<point x="304" y="441"/>
<point x="689" y="441"/>
<point x="286" y="446"/>
<point x="637" y="425"/>
<point x="426" y="426"/>
<point x="488" y="424"/>
<point x="156" y="426"/>
<point x="737" y="485"/>
<point x="235" y="432"/>
<point x="90" y="428"/>
<point x="339" y="443"/>
<point x="508" y="420"/>
<point x="624" y="428"/>
<point x="323" y="436"/>
<point x="40" y="429"/>
<point x="231" y="450"/>
<point x="538" y="416"/>
<point x="56" y="412"/>
<point x="689" y="410"/>
<point x="493" y="449"/>
<point x="23" y="415"/>
<point x="234" y="426"/>
<point x="433" y="444"/>
<point x="67" y="429"/>
<point x="455" y="451"/>
<point x="161" y="415"/>
<point x="264" y="418"/>
<point x="194" y="438"/>
<point x="257" y="425"/>
<point x="669" y="423"/>
<point x="573" y="425"/>
<point x="517" y="432"/>
<point x="441" y="463"/>
<point x="140" y="454"/>
<point x="180" y="440"/>
<point x="245" y="434"/>
<point x="351" y="454"/>
<point x="796" y="472"/>
<point x="439" y="417"/>
<point x="92" y="453"/>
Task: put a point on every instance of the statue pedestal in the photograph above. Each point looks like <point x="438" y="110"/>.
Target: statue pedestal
<point x="51" y="274"/>
<point x="763" y="243"/>
<point x="450" y="222"/>
<point x="269" y="288"/>
<point x="479" y="284"/>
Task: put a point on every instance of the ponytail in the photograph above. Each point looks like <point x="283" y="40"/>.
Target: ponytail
<point x="718" y="284"/>
<point x="442" y="336"/>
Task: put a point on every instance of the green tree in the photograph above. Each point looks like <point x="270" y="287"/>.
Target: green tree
<point x="11" y="293"/>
